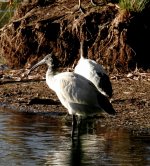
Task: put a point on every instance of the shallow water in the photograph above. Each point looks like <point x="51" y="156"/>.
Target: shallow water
<point x="31" y="139"/>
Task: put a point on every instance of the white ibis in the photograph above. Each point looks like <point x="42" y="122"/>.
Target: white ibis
<point x="94" y="72"/>
<point x="78" y="95"/>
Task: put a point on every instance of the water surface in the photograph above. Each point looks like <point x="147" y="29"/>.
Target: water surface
<point x="31" y="139"/>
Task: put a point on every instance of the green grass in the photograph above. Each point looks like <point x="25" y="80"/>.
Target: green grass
<point x="133" y="5"/>
<point x="7" y="11"/>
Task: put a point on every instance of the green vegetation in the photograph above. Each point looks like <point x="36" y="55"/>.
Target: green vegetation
<point x="133" y="5"/>
<point x="7" y="11"/>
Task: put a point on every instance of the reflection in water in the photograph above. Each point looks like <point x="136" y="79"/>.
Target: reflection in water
<point x="29" y="139"/>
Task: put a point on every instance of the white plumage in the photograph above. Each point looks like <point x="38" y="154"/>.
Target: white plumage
<point x="78" y="95"/>
<point x="94" y="72"/>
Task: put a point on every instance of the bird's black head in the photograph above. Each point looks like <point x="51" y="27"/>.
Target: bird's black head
<point x="47" y="60"/>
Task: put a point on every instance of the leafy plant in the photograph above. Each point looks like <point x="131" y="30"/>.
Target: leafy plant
<point x="133" y="5"/>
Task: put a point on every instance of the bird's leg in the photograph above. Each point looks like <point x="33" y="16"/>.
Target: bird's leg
<point x="74" y="123"/>
<point x="79" y="125"/>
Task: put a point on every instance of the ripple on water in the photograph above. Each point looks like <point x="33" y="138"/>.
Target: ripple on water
<point x="30" y="139"/>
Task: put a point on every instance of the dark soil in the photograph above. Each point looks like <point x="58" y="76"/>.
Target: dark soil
<point x="131" y="98"/>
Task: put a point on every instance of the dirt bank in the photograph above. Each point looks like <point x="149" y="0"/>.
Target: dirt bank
<point x="113" y="36"/>
<point x="131" y="98"/>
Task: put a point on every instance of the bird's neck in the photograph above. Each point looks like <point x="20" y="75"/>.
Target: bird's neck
<point x="81" y="51"/>
<point x="49" y="73"/>
<point x="49" y="78"/>
<point x="82" y="57"/>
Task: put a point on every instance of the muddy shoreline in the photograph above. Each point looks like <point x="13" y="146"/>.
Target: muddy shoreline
<point x="131" y="99"/>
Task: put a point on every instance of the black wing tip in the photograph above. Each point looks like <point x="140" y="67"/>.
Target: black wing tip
<point x="112" y="112"/>
<point x="106" y="104"/>
<point x="109" y="109"/>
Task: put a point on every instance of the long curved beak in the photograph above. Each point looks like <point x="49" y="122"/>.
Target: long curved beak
<point x="36" y="65"/>
<point x="43" y="61"/>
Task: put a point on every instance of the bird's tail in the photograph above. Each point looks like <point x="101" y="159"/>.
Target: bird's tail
<point x="106" y="105"/>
